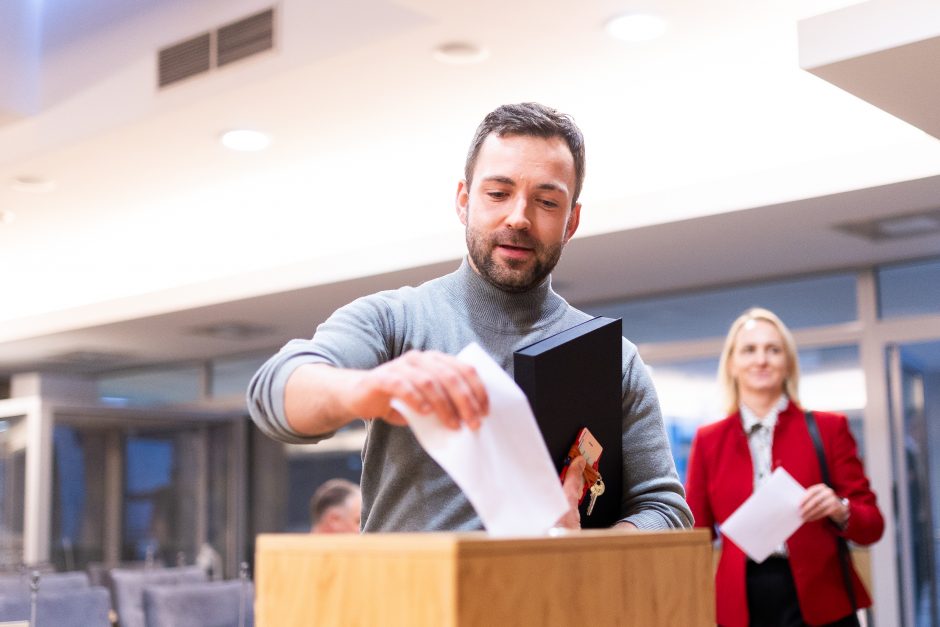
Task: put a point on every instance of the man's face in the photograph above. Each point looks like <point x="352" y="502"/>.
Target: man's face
<point x="518" y="211"/>
<point x="343" y="518"/>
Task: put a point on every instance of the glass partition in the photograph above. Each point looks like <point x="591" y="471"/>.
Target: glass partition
<point x="78" y="497"/>
<point x="158" y="492"/>
<point x="12" y="489"/>
<point x="165" y="386"/>
<point x="230" y="377"/>
<point x="708" y="314"/>
<point x="916" y="373"/>
<point x="909" y="289"/>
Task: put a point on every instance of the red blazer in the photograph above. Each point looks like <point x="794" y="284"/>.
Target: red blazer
<point x="721" y="477"/>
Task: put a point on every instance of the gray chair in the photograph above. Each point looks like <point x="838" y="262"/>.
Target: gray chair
<point x="48" y="582"/>
<point x="127" y="587"/>
<point x="212" y="604"/>
<point x="88" y="607"/>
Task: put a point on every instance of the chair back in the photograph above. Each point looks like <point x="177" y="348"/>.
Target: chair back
<point x="83" y="607"/>
<point x="48" y="582"/>
<point x="211" y="604"/>
<point x="128" y="588"/>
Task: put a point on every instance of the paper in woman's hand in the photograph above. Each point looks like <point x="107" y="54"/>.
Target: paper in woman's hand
<point x="503" y="467"/>
<point x="766" y="519"/>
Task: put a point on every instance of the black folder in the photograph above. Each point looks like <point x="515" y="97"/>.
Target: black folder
<point x="573" y="380"/>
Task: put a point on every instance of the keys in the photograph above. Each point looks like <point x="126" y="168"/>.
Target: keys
<point x="596" y="490"/>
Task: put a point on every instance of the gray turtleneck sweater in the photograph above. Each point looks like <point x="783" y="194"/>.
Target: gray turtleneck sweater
<point x="403" y="489"/>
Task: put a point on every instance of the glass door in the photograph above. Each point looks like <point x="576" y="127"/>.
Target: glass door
<point x="915" y="407"/>
<point x="162" y="504"/>
<point x="12" y="489"/>
<point x="131" y="489"/>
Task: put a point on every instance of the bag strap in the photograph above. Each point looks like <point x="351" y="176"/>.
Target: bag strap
<point x="842" y="545"/>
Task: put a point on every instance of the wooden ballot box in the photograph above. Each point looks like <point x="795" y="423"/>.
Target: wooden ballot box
<point x="600" y="578"/>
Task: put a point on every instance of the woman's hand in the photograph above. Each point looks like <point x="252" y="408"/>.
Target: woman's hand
<point x="820" y="501"/>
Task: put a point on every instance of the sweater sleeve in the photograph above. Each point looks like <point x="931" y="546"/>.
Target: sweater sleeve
<point x="653" y="497"/>
<point x="355" y="336"/>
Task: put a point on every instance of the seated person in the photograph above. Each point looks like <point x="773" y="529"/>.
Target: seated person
<point x="336" y="507"/>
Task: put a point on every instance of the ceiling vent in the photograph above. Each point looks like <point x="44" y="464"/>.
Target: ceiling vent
<point x="232" y="330"/>
<point x="218" y="47"/>
<point x="184" y="59"/>
<point x="88" y="359"/>
<point x="896" y="226"/>
<point x="245" y="37"/>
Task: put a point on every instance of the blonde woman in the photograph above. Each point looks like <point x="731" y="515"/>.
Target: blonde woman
<point x="808" y="580"/>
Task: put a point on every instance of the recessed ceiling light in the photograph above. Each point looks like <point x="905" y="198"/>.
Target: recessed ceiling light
<point x="7" y="216"/>
<point x="245" y="140"/>
<point x="459" y="53"/>
<point x="33" y="184"/>
<point x="896" y="226"/>
<point x="636" y="27"/>
<point x="909" y="225"/>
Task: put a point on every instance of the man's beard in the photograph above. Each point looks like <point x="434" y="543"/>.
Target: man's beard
<point x="511" y="275"/>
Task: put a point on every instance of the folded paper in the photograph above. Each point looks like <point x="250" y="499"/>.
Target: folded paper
<point x="768" y="517"/>
<point x="503" y="467"/>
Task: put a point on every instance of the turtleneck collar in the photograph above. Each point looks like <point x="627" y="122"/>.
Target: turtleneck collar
<point x="497" y="309"/>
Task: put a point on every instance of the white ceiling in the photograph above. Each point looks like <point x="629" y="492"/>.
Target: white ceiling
<point x="706" y="148"/>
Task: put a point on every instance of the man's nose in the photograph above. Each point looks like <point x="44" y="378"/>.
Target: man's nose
<point x="518" y="218"/>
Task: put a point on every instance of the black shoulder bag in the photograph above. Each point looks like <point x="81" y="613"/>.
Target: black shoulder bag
<point x="843" y="546"/>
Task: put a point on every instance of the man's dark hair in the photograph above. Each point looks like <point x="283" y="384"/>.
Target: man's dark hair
<point x="533" y="120"/>
<point x="332" y="493"/>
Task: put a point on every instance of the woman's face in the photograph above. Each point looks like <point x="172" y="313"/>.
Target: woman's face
<point x="759" y="358"/>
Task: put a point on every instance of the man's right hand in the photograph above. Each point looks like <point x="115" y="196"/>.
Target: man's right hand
<point x="429" y="382"/>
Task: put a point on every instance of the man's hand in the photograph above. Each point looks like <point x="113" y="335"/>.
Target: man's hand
<point x="573" y="487"/>
<point x="819" y="502"/>
<point x="429" y="382"/>
<point x="320" y="398"/>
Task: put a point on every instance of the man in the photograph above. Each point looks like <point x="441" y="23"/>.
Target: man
<point x="336" y="507"/>
<point x="519" y="204"/>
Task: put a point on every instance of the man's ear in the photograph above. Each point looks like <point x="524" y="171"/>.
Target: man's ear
<point x="573" y="220"/>
<point x="462" y="202"/>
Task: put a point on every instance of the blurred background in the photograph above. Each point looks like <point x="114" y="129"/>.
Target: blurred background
<point x="781" y="153"/>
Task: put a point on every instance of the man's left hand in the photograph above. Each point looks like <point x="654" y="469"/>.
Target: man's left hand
<point x="573" y="487"/>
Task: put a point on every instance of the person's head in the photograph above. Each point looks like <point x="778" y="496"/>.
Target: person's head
<point x="759" y="357"/>
<point x="336" y="507"/>
<point x="519" y="196"/>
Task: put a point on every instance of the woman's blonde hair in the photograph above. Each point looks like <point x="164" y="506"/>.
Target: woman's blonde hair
<point x="729" y="385"/>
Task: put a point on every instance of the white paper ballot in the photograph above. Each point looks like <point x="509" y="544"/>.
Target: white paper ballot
<point x="766" y="519"/>
<point x="503" y="468"/>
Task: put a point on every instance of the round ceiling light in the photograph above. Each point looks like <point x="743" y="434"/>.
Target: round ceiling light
<point x="459" y="53"/>
<point x="245" y="140"/>
<point x="636" y="27"/>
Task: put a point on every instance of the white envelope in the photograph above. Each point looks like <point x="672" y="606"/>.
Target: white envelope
<point x="504" y="467"/>
<point x="766" y="519"/>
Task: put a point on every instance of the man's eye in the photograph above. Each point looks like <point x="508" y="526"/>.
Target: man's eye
<point x="549" y="204"/>
<point x="497" y="195"/>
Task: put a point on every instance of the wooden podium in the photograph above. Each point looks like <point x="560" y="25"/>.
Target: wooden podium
<point x="600" y="578"/>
